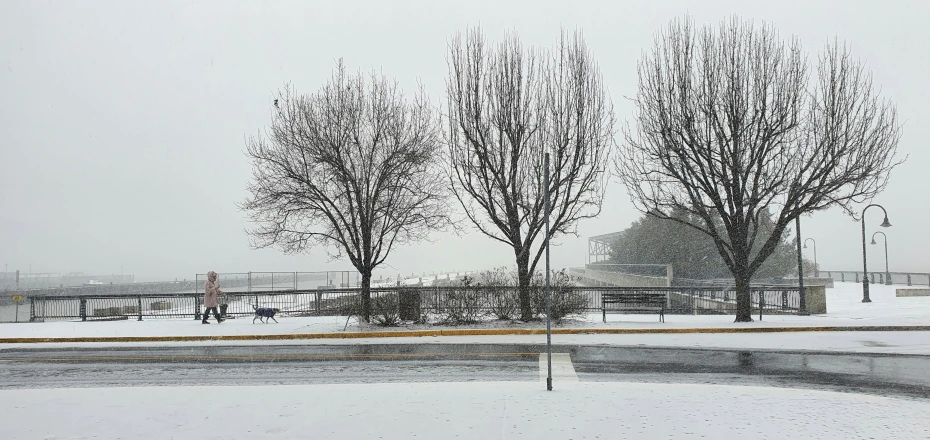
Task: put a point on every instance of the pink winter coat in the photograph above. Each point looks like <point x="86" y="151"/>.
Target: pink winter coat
<point x="211" y="290"/>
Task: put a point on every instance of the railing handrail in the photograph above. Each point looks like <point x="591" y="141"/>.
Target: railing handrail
<point x="676" y="289"/>
<point x="874" y="271"/>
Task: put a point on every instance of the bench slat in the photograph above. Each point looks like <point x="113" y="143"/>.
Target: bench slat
<point x="634" y="302"/>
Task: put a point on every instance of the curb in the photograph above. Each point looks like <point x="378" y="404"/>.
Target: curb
<point x="465" y="332"/>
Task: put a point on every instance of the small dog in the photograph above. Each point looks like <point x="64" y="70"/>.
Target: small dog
<point x="263" y="314"/>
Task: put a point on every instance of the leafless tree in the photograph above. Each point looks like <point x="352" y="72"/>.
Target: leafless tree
<point x="508" y="106"/>
<point x="729" y="125"/>
<point x="355" y="168"/>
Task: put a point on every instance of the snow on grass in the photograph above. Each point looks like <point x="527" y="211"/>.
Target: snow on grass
<point x="458" y="410"/>
<point x="172" y="327"/>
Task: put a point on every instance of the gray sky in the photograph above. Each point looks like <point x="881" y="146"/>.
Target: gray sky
<point x="122" y="122"/>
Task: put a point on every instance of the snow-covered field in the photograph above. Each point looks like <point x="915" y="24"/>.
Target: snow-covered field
<point x="458" y="410"/>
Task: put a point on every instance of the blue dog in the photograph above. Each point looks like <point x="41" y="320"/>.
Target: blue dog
<point x="261" y="313"/>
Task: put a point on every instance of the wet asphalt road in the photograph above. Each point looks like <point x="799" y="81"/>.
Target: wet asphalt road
<point x="377" y="363"/>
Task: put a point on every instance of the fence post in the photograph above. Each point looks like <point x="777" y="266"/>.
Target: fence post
<point x="32" y="309"/>
<point x="295" y="280"/>
<point x="842" y="277"/>
<point x="196" y="307"/>
<point x="857" y="277"/>
<point x="908" y="279"/>
<point x="140" y="307"/>
<point x="693" y="309"/>
<point x="83" y="309"/>
<point x="761" y="303"/>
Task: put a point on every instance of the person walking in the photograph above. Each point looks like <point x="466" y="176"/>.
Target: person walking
<point x="210" y="301"/>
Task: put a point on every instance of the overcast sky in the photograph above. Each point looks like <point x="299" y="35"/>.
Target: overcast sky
<point x="122" y="122"/>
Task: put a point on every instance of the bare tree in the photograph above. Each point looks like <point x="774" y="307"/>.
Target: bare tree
<point x="729" y="126"/>
<point x="355" y="168"/>
<point x="508" y="106"/>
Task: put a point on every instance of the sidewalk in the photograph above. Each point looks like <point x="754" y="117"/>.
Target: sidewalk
<point x="485" y="410"/>
<point x="849" y="325"/>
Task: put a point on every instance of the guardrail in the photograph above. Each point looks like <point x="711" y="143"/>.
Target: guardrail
<point x="425" y="300"/>
<point x="902" y="278"/>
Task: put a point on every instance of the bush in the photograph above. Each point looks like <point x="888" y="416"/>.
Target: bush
<point x="462" y="303"/>
<point x="565" y="300"/>
<point x="502" y="298"/>
<point x="385" y="310"/>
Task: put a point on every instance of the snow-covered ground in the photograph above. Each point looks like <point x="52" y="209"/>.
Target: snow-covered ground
<point x="844" y="309"/>
<point x="458" y="410"/>
<point x="856" y="342"/>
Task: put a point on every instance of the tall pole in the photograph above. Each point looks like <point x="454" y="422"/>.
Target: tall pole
<point x="865" y="266"/>
<point x="548" y="288"/>
<point x="887" y="273"/>
<point x="816" y="266"/>
<point x="802" y="304"/>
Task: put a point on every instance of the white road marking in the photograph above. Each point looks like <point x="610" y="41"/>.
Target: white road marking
<point x="562" y="368"/>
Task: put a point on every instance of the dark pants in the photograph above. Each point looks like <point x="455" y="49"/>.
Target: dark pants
<point x="206" y="314"/>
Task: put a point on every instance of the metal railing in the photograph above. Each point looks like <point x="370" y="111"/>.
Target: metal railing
<point x="901" y="278"/>
<point x="343" y="302"/>
<point x="245" y="281"/>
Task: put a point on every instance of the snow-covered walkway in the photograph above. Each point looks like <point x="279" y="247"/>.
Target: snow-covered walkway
<point x="844" y="309"/>
<point x="494" y="410"/>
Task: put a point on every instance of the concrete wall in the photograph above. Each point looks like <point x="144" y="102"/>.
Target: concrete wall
<point x="912" y="292"/>
<point x="594" y="278"/>
<point x="808" y="281"/>
<point x="815" y="298"/>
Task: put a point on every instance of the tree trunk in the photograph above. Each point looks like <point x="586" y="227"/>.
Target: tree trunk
<point x="365" y="312"/>
<point x="523" y="278"/>
<point x="743" y="299"/>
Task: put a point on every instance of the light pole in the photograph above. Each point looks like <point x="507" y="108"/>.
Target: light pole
<point x="548" y="288"/>
<point x="865" y="267"/>
<point x="802" y="294"/>
<point x="816" y="269"/>
<point x="887" y="274"/>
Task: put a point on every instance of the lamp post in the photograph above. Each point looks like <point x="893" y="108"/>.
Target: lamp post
<point x="816" y="269"/>
<point x="802" y="294"/>
<point x="887" y="274"/>
<point x="548" y="288"/>
<point x="865" y="267"/>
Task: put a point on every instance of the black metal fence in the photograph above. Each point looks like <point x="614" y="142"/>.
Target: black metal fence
<point x="482" y="300"/>
<point x="900" y="278"/>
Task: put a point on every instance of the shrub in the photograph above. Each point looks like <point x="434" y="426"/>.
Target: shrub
<point x="462" y="303"/>
<point x="503" y="300"/>
<point x="385" y="310"/>
<point x="566" y="301"/>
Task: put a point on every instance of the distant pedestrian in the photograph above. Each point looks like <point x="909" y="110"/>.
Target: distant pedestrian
<point x="210" y="301"/>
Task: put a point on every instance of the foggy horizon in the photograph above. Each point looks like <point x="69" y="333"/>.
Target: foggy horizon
<point x="124" y="124"/>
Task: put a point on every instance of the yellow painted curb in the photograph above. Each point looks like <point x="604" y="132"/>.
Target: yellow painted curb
<point x="466" y="332"/>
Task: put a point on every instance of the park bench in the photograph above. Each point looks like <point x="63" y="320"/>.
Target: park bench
<point x="634" y="302"/>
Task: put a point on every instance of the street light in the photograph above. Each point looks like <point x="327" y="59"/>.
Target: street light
<point x="816" y="269"/>
<point x="887" y="274"/>
<point x="548" y="287"/>
<point x="865" y="267"/>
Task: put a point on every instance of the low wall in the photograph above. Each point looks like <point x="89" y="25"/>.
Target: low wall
<point x="912" y="292"/>
<point x="596" y="278"/>
<point x="808" y="281"/>
<point x="815" y="299"/>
